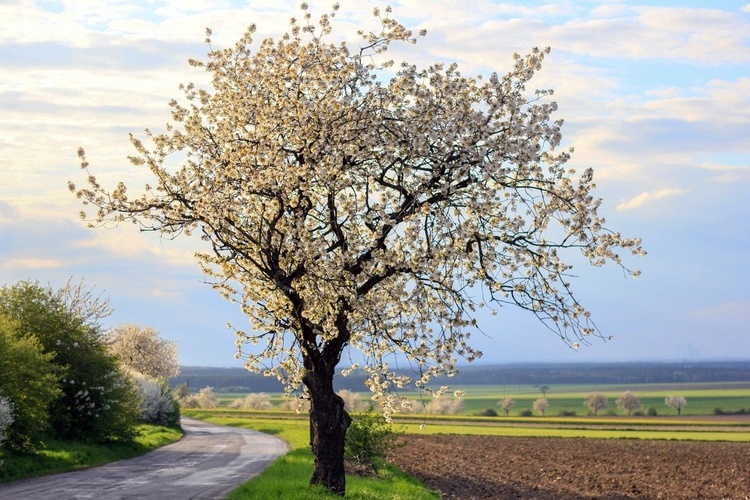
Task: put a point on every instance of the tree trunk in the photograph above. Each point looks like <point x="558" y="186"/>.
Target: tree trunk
<point x="328" y="424"/>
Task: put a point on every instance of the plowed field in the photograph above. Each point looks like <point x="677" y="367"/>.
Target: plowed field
<point x="474" y="467"/>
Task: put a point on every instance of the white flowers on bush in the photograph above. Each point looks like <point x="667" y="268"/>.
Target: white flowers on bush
<point x="255" y="401"/>
<point x="204" y="399"/>
<point x="6" y="417"/>
<point x="443" y="405"/>
<point x="157" y="404"/>
<point x="352" y="401"/>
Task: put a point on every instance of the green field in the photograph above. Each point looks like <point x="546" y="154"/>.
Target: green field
<point x="288" y="476"/>
<point x="702" y="399"/>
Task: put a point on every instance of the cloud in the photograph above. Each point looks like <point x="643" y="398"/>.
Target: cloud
<point x="724" y="173"/>
<point x="647" y="198"/>
<point x="695" y="35"/>
<point x="7" y="210"/>
<point x="738" y="312"/>
<point x="35" y="264"/>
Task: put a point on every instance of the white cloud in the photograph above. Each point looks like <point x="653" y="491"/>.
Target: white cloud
<point x="648" y="198"/>
<point x="7" y="211"/>
<point x="724" y="173"/>
<point x="727" y="311"/>
<point x="697" y="35"/>
<point x="35" y="264"/>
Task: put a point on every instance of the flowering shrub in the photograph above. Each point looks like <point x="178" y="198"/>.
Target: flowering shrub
<point x="630" y="402"/>
<point x="595" y="401"/>
<point x="352" y="400"/>
<point x="506" y="404"/>
<point x="157" y="402"/>
<point x="676" y="403"/>
<point x="297" y="404"/>
<point x="541" y="405"/>
<point x="444" y="405"/>
<point x="255" y="401"/>
<point x="204" y="399"/>
<point x="6" y="417"/>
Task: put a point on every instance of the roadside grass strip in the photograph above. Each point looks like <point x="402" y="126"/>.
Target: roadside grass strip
<point x="64" y="456"/>
<point x="289" y="476"/>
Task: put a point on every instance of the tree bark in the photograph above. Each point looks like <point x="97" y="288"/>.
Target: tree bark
<point x="328" y="424"/>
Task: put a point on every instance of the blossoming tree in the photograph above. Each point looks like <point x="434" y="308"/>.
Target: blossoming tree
<point x="350" y="203"/>
<point x="142" y="350"/>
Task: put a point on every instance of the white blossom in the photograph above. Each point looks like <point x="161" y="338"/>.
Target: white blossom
<point x="348" y="203"/>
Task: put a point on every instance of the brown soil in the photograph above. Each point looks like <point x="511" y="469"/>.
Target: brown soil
<point x="474" y="467"/>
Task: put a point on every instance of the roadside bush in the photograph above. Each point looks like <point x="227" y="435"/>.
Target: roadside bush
<point x="651" y="411"/>
<point x="487" y="412"/>
<point x="97" y="401"/>
<point x="28" y="386"/>
<point x="567" y="413"/>
<point x="525" y="413"/>
<point x="368" y="440"/>
<point x="254" y="401"/>
<point x="157" y="404"/>
<point x="6" y="417"/>
<point x="204" y="399"/>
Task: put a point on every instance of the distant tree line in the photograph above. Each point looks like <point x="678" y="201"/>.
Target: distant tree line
<point x="240" y="380"/>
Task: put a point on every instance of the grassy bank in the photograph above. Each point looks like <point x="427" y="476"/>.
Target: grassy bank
<point x="63" y="456"/>
<point x="288" y="477"/>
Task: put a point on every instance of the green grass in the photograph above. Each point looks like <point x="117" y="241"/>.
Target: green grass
<point x="289" y="476"/>
<point x="63" y="456"/>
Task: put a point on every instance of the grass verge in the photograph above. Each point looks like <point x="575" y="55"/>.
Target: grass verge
<point x="63" y="456"/>
<point x="289" y="476"/>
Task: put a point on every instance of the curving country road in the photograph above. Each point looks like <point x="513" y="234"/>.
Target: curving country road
<point x="208" y="462"/>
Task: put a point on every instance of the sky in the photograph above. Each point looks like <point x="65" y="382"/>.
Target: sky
<point x="655" y="97"/>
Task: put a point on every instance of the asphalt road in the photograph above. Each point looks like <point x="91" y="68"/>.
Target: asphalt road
<point x="208" y="462"/>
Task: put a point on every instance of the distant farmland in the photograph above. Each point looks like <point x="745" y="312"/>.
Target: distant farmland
<point x="512" y="377"/>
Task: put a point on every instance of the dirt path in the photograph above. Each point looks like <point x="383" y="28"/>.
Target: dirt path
<point x="207" y="463"/>
<point x="492" y="467"/>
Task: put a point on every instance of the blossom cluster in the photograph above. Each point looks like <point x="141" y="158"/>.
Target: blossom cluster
<point x="6" y="417"/>
<point x="351" y="203"/>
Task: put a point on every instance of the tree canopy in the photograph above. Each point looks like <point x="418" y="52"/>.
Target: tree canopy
<point x="352" y="202"/>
